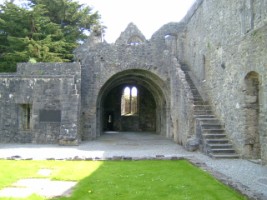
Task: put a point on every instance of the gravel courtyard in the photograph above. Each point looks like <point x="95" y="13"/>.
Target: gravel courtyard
<point x="247" y="176"/>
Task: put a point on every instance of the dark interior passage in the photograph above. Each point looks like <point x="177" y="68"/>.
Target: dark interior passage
<point x="135" y="112"/>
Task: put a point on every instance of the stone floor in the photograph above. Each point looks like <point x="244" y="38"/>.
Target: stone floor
<point x="249" y="177"/>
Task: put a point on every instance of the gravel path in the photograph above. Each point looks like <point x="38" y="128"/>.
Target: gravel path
<point x="249" y="177"/>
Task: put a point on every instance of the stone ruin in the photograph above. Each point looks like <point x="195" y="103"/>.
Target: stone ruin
<point x="201" y="82"/>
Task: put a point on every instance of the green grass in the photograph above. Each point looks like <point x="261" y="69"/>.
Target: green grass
<point x="125" y="180"/>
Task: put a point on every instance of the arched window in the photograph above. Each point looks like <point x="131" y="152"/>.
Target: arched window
<point x="134" y="41"/>
<point x="129" y="101"/>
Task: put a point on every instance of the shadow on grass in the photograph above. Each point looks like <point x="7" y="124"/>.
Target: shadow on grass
<point x="150" y="179"/>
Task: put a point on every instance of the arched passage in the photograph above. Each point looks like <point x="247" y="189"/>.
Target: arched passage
<point x="150" y="102"/>
<point x="252" y="110"/>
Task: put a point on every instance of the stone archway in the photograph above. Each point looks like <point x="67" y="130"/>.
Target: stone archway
<point x="151" y="103"/>
<point x="252" y="110"/>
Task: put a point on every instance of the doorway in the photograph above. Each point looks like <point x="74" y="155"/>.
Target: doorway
<point x="252" y="110"/>
<point x="132" y="100"/>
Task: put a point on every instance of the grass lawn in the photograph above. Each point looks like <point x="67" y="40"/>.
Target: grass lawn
<point x="125" y="180"/>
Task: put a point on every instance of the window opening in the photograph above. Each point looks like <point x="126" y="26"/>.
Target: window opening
<point x="109" y="119"/>
<point x="134" y="41"/>
<point x="129" y="101"/>
<point x="26" y="110"/>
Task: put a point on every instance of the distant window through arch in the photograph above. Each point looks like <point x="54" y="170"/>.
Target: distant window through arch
<point x="134" y="41"/>
<point x="129" y="101"/>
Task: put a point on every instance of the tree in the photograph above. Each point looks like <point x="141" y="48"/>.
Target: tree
<point x="43" y="30"/>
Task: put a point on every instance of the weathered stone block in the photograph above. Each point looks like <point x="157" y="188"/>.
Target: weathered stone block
<point x="192" y="144"/>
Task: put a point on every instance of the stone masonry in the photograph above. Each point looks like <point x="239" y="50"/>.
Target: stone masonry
<point x="40" y="104"/>
<point x="201" y="82"/>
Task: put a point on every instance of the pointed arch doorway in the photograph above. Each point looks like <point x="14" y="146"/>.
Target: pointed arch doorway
<point x="132" y="100"/>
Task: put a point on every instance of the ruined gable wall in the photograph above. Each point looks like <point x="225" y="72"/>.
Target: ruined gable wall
<point x="101" y="62"/>
<point x="40" y="89"/>
<point x="223" y="42"/>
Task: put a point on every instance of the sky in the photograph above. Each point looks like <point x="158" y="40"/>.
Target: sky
<point x="147" y="15"/>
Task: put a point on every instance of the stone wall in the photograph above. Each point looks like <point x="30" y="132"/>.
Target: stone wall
<point x="224" y="42"/>
<point x="39" y="104"/>
<point x="182" y="114"/>
<point x="131" y="60"/>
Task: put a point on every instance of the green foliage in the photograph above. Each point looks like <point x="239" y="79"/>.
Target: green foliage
<point x="43" y="30"/>
<point x="150" y="179"/>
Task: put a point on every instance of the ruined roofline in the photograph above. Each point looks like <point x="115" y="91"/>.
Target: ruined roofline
<point x="191" y="12"/>
<point x="131" y="31"/>
<point x="172" y="28"/>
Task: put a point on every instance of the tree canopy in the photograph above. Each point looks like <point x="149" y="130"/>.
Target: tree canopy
<point x="43" y="31"/>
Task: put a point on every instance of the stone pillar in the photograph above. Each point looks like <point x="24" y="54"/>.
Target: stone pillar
<point x="69" y="129"/>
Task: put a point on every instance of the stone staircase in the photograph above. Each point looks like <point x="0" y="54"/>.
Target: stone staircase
<point x="209" y="130"/>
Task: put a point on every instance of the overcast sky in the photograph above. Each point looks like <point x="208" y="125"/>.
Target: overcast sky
<point x="148" y="15"/>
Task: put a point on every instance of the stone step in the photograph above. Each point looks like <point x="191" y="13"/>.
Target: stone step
<point x="204" y="121"/>
<point x="223" y="151"/>
<point x="202" y="112"/>
<point x="213" y="136"/>
<point x="188" y="78"/>
<point x="191" y="84"/>
<point x="219" y="146"/>
<point x="213" y="131"/>
<point x="211" y="126"/>
<point x="199" y="102"/>
<point x="185" y="68"/>
<point x="202" y="107"/>
<point x="194" y="91"/>
<point x="217" y="141"/>
<point x="203" y="116"/>
<point x="197" y="96"/>
<point x="224" y="156"/>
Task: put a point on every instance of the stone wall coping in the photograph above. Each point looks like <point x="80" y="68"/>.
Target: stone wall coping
<point x="53" y="69"/>
<point x="191" y="12"/>
<point x="34" y="76"/>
